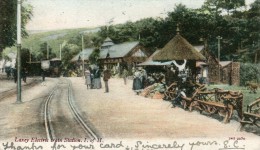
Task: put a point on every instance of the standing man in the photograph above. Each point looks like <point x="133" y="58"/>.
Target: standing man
<point x="24" y="74"/>
<point x="43" y="75"/>
<point x="15" y="75"/>
<point x="106" y="77"/>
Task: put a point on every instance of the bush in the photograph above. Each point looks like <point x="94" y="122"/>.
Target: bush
<point x="249" y="73"/>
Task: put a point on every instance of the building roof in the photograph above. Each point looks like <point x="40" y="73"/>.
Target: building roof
<point x="118" y="50"/>
<point x="86" y="53"/>
<point x="55" y="59"/>
<point x="199" y="48"/>
<point x="150" y="62"/>
<point x="178" y="48"/>
<point x="200" y="63"/>
<point x="107" y="42"/>
<point x="224" y="63"/>
<point x="139" y="53"/>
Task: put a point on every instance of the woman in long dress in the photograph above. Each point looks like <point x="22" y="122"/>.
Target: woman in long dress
<point x="88" y="79"/>
<point x="97" y="79"/>
<point x="137" y="82"/>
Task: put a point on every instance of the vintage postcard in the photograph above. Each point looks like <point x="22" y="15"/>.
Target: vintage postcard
<point x="129" y="75"/>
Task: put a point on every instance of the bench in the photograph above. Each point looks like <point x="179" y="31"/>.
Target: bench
<point x="218" y="101"/>
<point x="200" y="93"/>
<point x="170" y="92"/>
<point x="252" y="115"/>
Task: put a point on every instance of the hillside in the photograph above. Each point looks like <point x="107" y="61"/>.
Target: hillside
<point x="53" y="38"/>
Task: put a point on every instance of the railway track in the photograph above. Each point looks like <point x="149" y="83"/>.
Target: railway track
<point x="13" y="91"/>
<point x="48" y="121"/>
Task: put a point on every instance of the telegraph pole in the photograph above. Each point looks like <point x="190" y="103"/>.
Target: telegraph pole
<point x="60" y="51"/>
<point x="82" y="40"/>
<point x="219" y="38"/>
<point x="30" y="54"/>
<point x="47" y="51"/>
<point x="19" y="95"/>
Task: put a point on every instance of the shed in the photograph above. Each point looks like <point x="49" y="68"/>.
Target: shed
<point x="226" y="72"/>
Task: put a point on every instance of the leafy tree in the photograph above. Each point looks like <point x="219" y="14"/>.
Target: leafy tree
<point x="97" y="41"/>
<point x="220" y="6"/>
<point x="68" y="52"/>
<point x="254" y="30"/>
<point x="25" y="57"/>
<point x="8" y="22"/>
<point x="249" y="73"/>
<point x="44" y="48"/>
<point x="93" y="58"/>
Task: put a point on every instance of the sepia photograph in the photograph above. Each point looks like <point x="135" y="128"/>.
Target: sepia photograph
<point x="130" y="74"/>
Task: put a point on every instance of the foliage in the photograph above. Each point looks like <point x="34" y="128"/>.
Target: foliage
<point x="220" y="6"/>
<point x="249" y="73"/>
<point x="68" y="52"/>
<point x="8" y="22"/>
<point x="25" y="57"/>
<point x="93" y="58"/>
<point x="239" y="29"/>
<point x="46" y="52"/>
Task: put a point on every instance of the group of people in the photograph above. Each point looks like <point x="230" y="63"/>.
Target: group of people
<point x="24" y="73"/>
<point x="93" y="78"/>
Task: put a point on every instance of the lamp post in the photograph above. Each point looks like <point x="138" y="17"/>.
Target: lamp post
<point x="19" y="99"/>
<point x="219" y="38"/>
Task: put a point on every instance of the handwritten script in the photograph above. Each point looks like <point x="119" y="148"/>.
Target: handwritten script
<point x="85" y="144"/>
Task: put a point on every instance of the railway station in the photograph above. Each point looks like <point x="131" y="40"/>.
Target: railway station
<point x="181" y="78"/>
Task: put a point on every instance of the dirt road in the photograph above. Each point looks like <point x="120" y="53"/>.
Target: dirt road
<point x="119" y="114"/>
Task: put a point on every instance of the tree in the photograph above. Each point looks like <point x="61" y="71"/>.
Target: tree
<point x="8" y="22"/>
<point x="254" y="23"/>
<point x="46" y="51"/>
<point x="220" y="6"/>
<point x="25" y="57"/>
<point x="93" y="58"/>
<point x="68" y="51"/>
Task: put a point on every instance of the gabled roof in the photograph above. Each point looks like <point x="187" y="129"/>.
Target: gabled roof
<point x="221" y="63"/>
<point x="199" y="48"/>
<point x="118" y="50"/>
<point x="107" y="42"/>
<point x="86" y="53"/>
<point x="139" y="53"/>
<point x="178" y="48"/>
<point x="224" y="63"/>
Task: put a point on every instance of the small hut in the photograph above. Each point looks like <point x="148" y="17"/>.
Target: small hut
<point x="179" y="49"/>
<point x="226" y="72"/>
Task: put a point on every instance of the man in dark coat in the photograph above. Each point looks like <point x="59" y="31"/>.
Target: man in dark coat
<point x="106" y="77"/>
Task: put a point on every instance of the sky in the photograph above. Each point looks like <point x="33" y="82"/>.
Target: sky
<point x="66" y="14"/>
